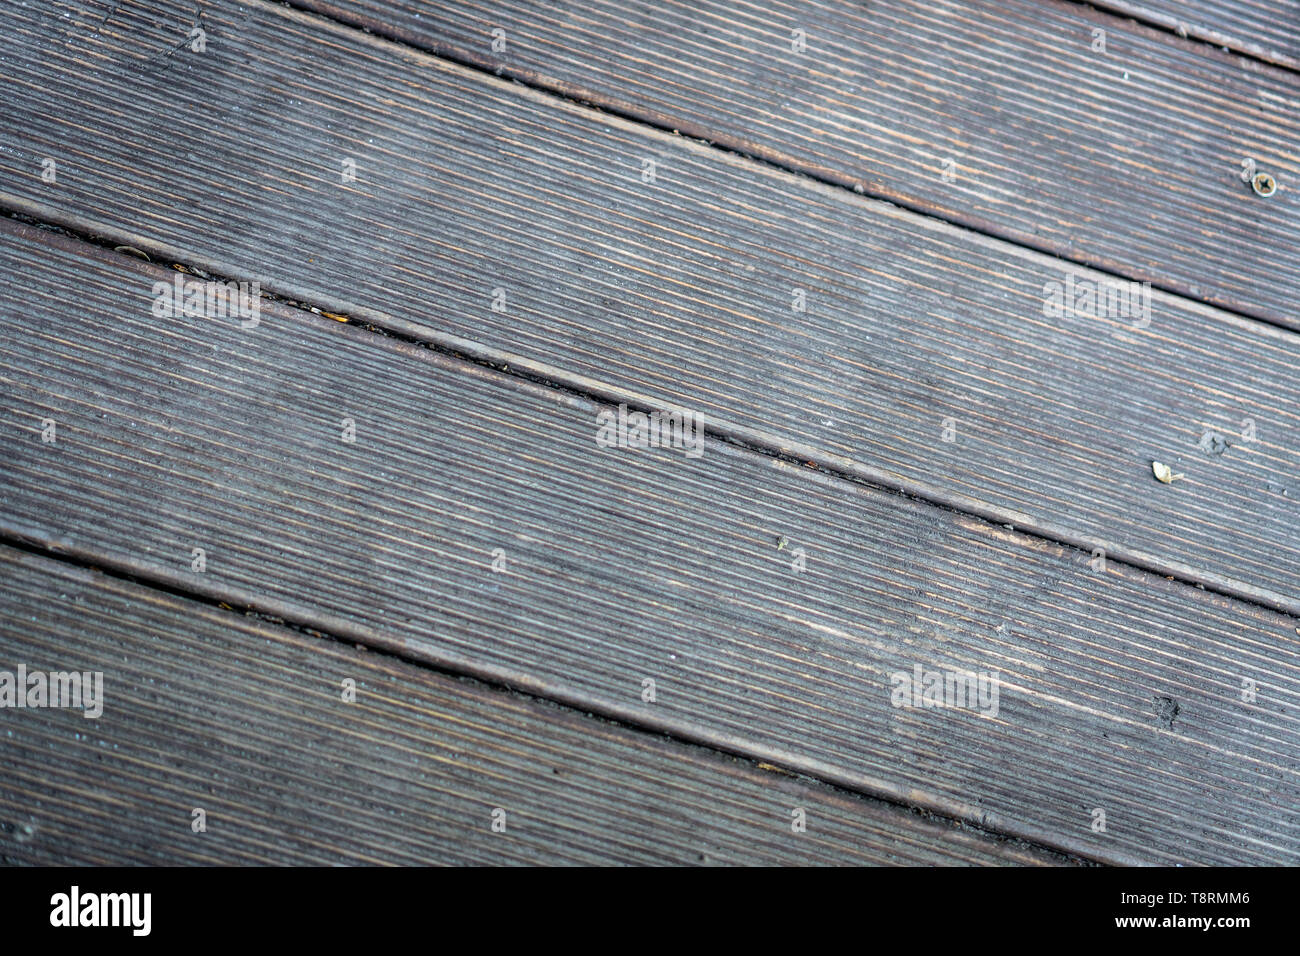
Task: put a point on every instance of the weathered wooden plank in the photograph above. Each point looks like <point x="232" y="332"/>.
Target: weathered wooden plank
<point x="1268" y="29"/>
<point x="627" y="565"/>
<point x="683" y="291"/>
<point x="247" y="721"/>
<point x="1126" y="158"/>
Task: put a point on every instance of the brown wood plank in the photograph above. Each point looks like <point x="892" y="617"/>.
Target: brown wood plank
<point x="626" y="565"/>
<point x="680" y="292"/>
<point x="1127" y="159"/>
<point x="204" y="708"/>
<point x="1268" y="29"/>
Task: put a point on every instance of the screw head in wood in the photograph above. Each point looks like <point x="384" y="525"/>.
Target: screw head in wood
<point x="1263" y="184"/>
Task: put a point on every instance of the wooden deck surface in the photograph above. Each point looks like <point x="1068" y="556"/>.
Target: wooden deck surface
<point x="466" y="254"/>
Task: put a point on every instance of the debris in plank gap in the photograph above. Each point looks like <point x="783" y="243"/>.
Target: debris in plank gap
<point x="1163" y="472"/>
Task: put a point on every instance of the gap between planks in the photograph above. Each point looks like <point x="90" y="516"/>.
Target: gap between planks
<point x="769" y="445"/>
<point x="554" y="75"/>
<point x="487" y="690"/>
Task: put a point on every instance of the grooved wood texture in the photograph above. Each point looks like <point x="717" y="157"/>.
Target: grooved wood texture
<point x="680" y="291"/>
<point x="1269" y="29"/>
<point x="626" y="565"/>
<point x="1127" y="159"/>
<point x="206" y="708"/>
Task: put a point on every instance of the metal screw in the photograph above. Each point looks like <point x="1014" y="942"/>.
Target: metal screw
<point x="1264" y="184"/>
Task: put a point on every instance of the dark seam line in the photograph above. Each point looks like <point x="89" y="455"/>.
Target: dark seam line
<point x="759" y="444"/>
<point x="766" y="445"/>
<point x="698" y="133"/>
<point x="1194" y="34"/>
<point x="219" y="599"/>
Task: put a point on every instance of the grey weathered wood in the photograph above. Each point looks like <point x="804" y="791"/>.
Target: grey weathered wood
<point x="1268" y="29"/>
<point x="627" y="565"/>
<point x="207" y="709"/>
<point x="677" y="292"/>
<point x="1126" y="159"/>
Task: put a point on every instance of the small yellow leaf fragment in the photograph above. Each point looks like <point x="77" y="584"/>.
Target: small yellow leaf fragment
<point x="1163" y="472"/>
<point x="335" y="316"/>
